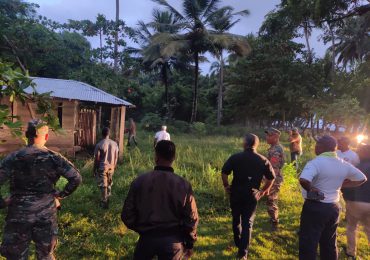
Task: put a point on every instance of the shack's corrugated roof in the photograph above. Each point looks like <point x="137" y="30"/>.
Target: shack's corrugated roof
<point x="72" y="89"/>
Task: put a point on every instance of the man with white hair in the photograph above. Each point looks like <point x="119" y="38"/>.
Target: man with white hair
<point x="161" y="135"/>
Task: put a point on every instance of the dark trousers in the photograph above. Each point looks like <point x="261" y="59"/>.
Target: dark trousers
<point x="131" y="138"/>
<point x="17" y="237"/>
<point x="168" y="247"/>
<point x="294" y="156"/>
<point x="243" y="213"/>
<point x="319" y="222"/>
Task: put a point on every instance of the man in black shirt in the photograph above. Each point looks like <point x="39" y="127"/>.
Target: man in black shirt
<point x="248" y="168"/>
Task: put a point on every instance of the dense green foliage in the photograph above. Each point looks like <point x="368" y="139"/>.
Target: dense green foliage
<point x="280" y="81"/>
<point x="12" y="86"/>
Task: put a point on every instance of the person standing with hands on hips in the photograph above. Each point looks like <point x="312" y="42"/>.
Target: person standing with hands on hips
<point x="321" y="181"/>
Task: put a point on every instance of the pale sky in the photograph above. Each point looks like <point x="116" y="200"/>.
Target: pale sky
<point x="134" y="10"/>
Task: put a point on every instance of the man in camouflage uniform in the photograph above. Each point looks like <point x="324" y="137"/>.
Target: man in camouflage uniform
<point x="32" y="205"/>
<point x="106" y="156"/>
<point x="276" y="158"/>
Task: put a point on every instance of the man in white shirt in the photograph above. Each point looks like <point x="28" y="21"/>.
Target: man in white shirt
<point x="321" y="180"/>
<point x="345" y="153"/>
<point x="161" y="135"/>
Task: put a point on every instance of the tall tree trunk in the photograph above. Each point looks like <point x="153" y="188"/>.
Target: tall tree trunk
<point x="15" y="54"/>
<point x="332" y="50"/>
<point x="165" y="83"/>
<point x="101" y="46"/>
<point x="307" y="37"/>
<point x="195" y="89"/>
<point x="318" y="126"/>
<point x="220" y="91"/>
<point x="116" y="38"/>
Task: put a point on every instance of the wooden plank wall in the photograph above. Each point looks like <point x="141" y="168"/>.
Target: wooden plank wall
<point x="121" y="142"/>
<point x="61" y="142"/>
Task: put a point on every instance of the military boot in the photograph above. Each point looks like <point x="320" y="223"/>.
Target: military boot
<point x="104" y="203"/>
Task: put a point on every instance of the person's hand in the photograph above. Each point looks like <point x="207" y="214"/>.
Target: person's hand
<point x="227" y="189"/>
<point x="315" y="194"/>
<point x="313" y="189"/>
<point x="188" y="253"/>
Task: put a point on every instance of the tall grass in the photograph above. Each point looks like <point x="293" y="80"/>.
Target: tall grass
<point x="88" y="232"/>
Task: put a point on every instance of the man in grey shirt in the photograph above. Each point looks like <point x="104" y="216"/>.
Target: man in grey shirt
<point x="106" y="156"/>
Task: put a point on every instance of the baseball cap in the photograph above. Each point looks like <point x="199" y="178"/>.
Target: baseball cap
<point x="37" y="127"/>
<point x="272" y="130"/>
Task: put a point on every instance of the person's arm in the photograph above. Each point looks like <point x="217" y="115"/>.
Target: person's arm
<point x="269" y="175"/>
<point x="355" y="177"/>
<point x="128" y="213"/>
<point x="356" y="160"/>
<point x="351" y="184"/>
<point x="96" y="158"/>
<point x="225" y="182"/>
<point x="227" y="168"/>
<point x="155" y="139"/>
<point x="190" y="219"/>
<point x="305" y="184"/>
<point x="293" y="139"/>
<point x="308" y="174"/>
<point x="66" y="169"/>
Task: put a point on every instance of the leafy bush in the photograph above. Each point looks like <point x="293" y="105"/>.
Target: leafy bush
<point x="198" y="128"/>
<point x="179" y="126"/>
<point x="152" y="122"/>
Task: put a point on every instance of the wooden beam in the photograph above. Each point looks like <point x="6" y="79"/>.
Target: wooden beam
<point x="94" y="128"/>
<point x="14" y="110"/>
<point x="122" y="132"/>
<point x="31" y="110"/>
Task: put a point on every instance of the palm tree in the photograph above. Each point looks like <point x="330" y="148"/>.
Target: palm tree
<point x="353" y="40"/>
<point x="152" y="57"/>
<point x="116" y="37"/>
<point x="221" y="22"/>
<point x="196" y="37"/>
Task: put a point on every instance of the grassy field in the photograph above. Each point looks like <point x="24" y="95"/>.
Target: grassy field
<point x="88" y="232"/>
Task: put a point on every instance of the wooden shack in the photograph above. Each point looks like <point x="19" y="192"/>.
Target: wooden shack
<point x="82" y="110"/>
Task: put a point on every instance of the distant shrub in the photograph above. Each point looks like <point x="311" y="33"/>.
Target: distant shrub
<point x="232" y="130"/>
<point x="152" y="122"/>
<point x="179" y="126"/>
<point x="198" y="128"/>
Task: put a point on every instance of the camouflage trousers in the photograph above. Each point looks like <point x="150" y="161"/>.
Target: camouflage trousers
<point x="18" y="235"/>
<point x="104" y="179"/>
<point x="272" y="199"/>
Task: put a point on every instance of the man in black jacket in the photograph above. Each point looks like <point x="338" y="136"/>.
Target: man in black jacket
<point x="248" y="168"/>
<point x="160" y="206"/>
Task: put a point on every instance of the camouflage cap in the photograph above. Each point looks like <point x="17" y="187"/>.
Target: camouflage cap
<point x="272" y="130"/>
<point x="37" y="127"/>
